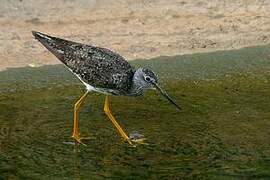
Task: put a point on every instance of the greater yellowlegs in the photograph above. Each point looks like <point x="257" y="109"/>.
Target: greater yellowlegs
<point x="103" y="71"/>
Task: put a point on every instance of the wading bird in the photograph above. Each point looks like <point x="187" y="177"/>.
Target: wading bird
<point x="103" y="71"/>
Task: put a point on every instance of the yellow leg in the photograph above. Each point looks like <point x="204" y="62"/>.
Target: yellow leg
<point x="76" y="134"/>
<point x="117" y="126"/>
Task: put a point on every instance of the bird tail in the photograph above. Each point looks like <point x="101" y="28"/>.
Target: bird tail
<point x="55" y="45"/>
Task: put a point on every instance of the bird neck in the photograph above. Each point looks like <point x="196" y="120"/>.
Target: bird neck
<point x="136" y="88"/>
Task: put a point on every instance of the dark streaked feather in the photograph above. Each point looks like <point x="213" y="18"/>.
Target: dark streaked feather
<point x="98" y="67"/>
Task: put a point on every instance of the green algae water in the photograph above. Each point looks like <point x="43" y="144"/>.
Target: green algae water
<point x="221" y="133"/>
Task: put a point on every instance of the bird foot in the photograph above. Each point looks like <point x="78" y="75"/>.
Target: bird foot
<point x="139" y="141"/>
<point x="137" y="138"/>
<point x="135" y="142"/>
<point x="79" y="139"/>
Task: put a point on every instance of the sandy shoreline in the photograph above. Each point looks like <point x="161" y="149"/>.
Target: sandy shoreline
<point x="135" y="29"/>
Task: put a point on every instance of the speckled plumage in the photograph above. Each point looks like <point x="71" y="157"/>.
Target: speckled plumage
<point x="101" y="69"/>
<point x="106" y="71"/>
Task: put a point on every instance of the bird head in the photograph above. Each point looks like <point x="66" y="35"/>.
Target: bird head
<point x="147" y="79"/>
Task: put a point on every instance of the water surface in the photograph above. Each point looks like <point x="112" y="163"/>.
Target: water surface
<point x="221" y="133"/>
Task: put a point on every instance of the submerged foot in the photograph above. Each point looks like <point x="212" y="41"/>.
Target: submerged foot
<point x="79" y="139"/>
<point x="137" y="138"/>
<point x="139" y="141"/>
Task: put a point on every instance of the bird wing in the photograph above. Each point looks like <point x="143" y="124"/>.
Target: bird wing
<point x="98" y="67"/>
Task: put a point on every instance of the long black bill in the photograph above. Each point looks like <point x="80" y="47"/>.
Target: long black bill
<point x="163" y="93"/>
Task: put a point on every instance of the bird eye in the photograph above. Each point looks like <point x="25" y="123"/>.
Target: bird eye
<point x="147" y="78"/>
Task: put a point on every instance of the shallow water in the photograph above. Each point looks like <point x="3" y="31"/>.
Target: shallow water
<point x="221" y="133"/>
